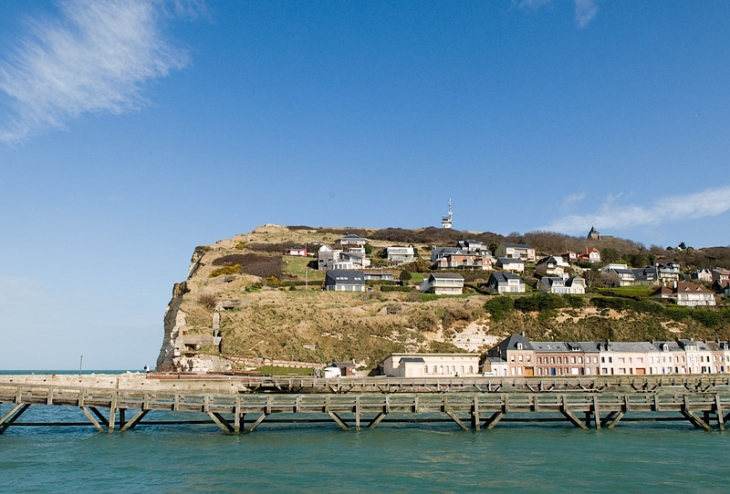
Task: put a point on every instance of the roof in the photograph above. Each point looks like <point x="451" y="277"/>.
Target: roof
<point x="502" y="277"/>
<point x="687" y="287"/>
<point x="510" y="260"/>
<point x="413" y="360"/>
<point x="348" y="276"/>
<point x="446" y="276"/>
<point x="517" y="246"/>
<point x="510" y="343"/>
<point x="552" y="281"/>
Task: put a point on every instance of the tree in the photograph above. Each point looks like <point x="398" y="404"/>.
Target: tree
<point x="368" y="249"/>
<point x="405" y="275"/>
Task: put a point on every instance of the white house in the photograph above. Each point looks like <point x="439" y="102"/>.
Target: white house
<point x="509" y="264"/>
<point x="431" y="365"/>
<point x="687" y="294"/>
<point x="399" y="254"/>
<point x="516" y="251"/>
<point x="573" y="286"/>
<point x="500" y="282"/>
<point x="443" y="284"/>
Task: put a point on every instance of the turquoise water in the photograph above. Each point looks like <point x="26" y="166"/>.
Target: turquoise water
<point x="666" y="457"/>
<point x="634" y="457"/>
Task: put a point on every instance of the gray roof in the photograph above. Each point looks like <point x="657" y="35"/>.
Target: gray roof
<point x="446" y="276"/>
<point x="510" y="260"/>
<point x="413" y="360"/>
<point x="510" y="343"/>
<point x="344" y="276"/>
<point x="552" y="281"/>
<point x="503" y="277"/>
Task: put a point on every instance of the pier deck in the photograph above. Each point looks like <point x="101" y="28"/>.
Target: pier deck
<point x="695" y="401"/>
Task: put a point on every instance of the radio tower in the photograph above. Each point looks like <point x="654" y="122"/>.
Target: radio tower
<point x="446" y="221"/>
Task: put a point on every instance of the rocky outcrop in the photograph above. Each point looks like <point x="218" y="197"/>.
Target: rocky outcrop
<point x="174" y="327"/>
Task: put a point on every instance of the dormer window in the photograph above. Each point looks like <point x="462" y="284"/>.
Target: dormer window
<point x="519" y="346"/>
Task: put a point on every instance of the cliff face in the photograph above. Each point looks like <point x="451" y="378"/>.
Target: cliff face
<point x="244" y="302"/>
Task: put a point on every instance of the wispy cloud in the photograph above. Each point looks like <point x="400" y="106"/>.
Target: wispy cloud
<point x="585" y="10"/>
<point x="95" y="57"/>
<point x="613" y="215"/>
<point x="568" y="201"/>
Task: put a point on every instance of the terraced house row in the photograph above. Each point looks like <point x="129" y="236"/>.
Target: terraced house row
<point x="517" y="356"/>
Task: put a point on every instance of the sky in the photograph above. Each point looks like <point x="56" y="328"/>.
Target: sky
<point x="132" y="131"/>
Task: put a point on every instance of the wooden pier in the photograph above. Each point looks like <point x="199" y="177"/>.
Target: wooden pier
<point x="119" y="410"/>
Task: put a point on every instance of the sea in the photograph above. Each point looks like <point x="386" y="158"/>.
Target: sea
<point x="432" y="457"/>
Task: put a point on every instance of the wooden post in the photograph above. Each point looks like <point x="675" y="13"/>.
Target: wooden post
<point x="92" y="419"/>
<point x="237" y="416"/>
<point x="221" y="422"/>
<point x="338" y="420"/>
<point x="357" y="413"/>
<point x="719" y="413"/>
<point x="112" y="412"/>
<point x="475" y="419"/>
<point x="376" y="420"/>
<point x="596" y="413"/>
<point x="13" y="415"/>
<point x="136" y="419"/>
<point x="569" y="414"/>
<point x="256" y="423"/>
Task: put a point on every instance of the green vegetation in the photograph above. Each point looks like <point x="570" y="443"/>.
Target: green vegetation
<point x="297" y="267"/>
<point x="628" y="291"/>
<point x="234" y="269"/>
<point x="500" y="307"/>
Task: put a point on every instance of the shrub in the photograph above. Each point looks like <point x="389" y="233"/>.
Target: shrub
<point x="395" y="288"/>
<point x="575" y="301"/>
<point x="208" y="300"/>
<point x="708" y="318"/>
<point x="539" y="302"/>
<point x="405" y="275"/>
<point x="234" y="269"/>
<point x="499" y="307"/>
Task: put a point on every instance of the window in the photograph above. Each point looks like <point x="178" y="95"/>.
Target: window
<point x="471" y="369"/>
<point x="520" y="358"/>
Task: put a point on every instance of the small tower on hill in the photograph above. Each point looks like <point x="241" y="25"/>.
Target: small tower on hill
<point x="593" y="234"/>
<point x="446" y="221"/>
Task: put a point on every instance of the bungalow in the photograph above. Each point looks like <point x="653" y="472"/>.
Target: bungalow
<point x="687" y="294"/>
<point x="443" y="284"/>
<point x="591" y="255"/>
<point x="510" y="264"/>
<point x="574" y="285"/>
<point x="398" y="254"/>
<point x="430" y="364"/>
<point x="297" y="250"/>
<point x="340" y="280"/>
<point x="500" y="282"/>
<point x="516" y="251"/>
<point x="441" y="252"/>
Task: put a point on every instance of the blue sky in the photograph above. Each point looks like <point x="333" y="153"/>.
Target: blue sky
<point x="132" y="131"/>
